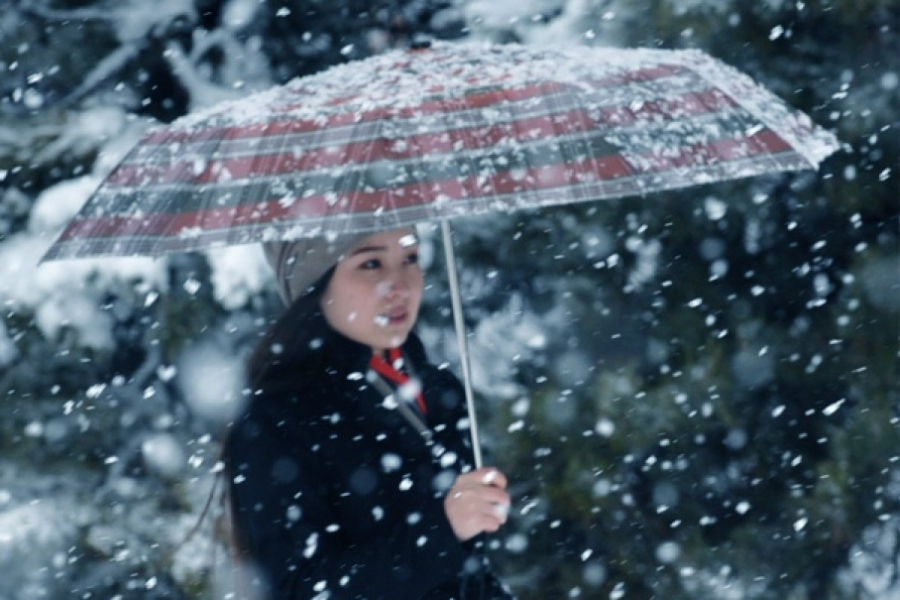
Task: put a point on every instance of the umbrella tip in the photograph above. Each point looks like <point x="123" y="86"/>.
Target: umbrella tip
<point x="420" y="41"/>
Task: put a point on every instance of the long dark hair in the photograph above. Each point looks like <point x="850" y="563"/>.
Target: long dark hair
<point x="294" y="336"/>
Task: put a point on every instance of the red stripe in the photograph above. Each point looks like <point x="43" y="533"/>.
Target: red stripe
<point x="361" y="202"/>
<point x="542" y="178"/>
<point x="353" y="153"/>
<point x="527" y="129"/>
<point x="352" y="118"/>
<point x="720" y="151"/>
<point x="477" y="100"/>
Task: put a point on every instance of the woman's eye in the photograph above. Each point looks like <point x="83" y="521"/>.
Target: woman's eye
<point x="370" y="264"/>
<point x="412" y="259"/>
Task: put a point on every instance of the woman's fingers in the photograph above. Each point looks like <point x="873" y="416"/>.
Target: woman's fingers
<point x="477" y="503"/>
<point x="483" y="476"/>
<point x="469" y="519"/>
<point x="488" y="491"/>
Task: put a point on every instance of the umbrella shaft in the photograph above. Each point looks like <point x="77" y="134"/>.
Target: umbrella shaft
<point x="460" y="327"/>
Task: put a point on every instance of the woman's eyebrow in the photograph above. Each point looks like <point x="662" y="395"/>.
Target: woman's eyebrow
<point x="365" y="249"/>
<point x="368" y="249"/>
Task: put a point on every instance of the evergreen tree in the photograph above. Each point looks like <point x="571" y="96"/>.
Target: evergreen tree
<point x="734" y="432"/>
<point x="107" y="456"/>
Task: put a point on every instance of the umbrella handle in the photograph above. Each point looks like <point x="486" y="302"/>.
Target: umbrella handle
<point x="460" y="327"/>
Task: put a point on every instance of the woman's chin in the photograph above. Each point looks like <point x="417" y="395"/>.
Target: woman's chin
<point x="390" y="339"/>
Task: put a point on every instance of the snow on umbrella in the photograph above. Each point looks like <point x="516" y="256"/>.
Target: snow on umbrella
<point x="435" y="132"/>
<point x="447" y="130"/>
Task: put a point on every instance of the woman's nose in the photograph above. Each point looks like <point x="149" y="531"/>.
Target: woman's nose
<point x="396" y="284"/>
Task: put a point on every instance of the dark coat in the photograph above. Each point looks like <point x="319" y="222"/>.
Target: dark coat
<point x="337" y="496"/>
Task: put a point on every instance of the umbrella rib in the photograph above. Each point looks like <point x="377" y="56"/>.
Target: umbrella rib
<point x="819" y="143"/>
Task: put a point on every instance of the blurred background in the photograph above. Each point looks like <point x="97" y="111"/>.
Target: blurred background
<point x="695" y="394"/>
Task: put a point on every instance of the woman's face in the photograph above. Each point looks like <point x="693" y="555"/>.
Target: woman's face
<point x="374" y="294"/>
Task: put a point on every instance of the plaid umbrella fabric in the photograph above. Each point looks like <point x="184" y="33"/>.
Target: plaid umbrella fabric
<point x="438" y="132"/>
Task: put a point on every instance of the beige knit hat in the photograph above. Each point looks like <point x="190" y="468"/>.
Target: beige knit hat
<point x="299" y="264"/>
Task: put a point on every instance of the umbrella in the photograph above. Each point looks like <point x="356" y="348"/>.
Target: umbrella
<point x="434" y="132"/>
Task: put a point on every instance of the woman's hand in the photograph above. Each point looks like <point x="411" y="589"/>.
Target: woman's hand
<point x="477" y="503"/>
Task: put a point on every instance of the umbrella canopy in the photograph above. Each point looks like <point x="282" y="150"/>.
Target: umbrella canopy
<point x="437" y="132"/>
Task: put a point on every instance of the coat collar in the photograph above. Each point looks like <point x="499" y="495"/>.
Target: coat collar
<point x="334" y="354"/>
<point x="339" y="359"/>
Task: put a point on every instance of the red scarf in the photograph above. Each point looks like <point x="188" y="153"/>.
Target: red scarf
<point x="386" y="369"/>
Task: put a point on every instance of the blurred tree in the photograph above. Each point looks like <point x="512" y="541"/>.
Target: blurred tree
<point x="737" y="430"/>
<point x="93" y="405"/>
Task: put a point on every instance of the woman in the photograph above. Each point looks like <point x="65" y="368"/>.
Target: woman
<point x="350" y="469"/>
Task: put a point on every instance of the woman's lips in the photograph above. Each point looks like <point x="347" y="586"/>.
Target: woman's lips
<point x="397" y="316"/>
